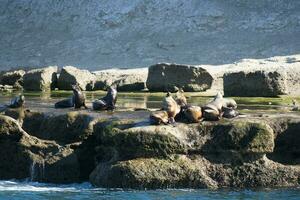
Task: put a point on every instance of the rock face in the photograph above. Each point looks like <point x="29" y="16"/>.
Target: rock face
<point x="71" y="75"/>
<point x="25" y="156"/>
<point x="245" y="152"/>
<point x="40" y="79"/>
<point x="270" y="77"/>
<point x="14" y="78"/>
<point x="122" y="79"/>
<point x="98" y="34"/>
<point x="164" y="77"/>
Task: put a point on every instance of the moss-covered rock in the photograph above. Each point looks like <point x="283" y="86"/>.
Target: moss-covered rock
<point x="65" y="128"/>
<point x="152" y="173"/>
<point x="25" y="156"/>
<point x="243" y="136"/>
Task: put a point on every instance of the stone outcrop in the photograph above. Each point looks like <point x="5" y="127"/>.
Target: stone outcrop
<point x="269" y="77"/>
<point x="165" y="77"/>
<point x="71" y="75"/>
<point x="244" y="152"/>
<point x="42" y="79"/>
<point x="122" y="79"/>
<point x="13" y="78"/>
<point x="25" y="156"/>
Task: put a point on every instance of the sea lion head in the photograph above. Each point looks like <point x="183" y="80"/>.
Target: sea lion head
<point x="218" y="96"/>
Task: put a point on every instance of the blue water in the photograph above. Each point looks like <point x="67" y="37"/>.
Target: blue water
<point x="39" y="191"/>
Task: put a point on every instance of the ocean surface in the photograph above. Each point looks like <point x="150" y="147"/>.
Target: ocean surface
<point x="40" y="191"/>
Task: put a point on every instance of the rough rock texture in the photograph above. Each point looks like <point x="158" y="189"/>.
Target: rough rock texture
<point x="71" y="75"/>
<point x="122" y="79"/>
<point x="14" y="78"/>
<point x="245" y="152"/>
<point x="40" y="79"/>
<point x="97" y="34"/>
<point x="25" y="156"/>
<point x="165" y="76"/>
<point x="267" y="77"/>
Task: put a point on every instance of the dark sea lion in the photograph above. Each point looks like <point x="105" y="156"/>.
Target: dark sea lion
<point x="229" y="112"/>
<point x="17" y="102"/>
<point x="108" y="102"/>
<point x="193" y="114"/>
<point x="78" y="97"/>
<point x="77" y="100"/>
<point x="171" y="106"/>
<point x="66" y="103"/>
<point x="159" y="117"/>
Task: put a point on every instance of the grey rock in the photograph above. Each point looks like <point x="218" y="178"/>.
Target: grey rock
<point x="42" y="79"/>
<point x="70" y="75"/>
<point x="14" y="78"/>
<point x="166" y="77"/>
<point x="122" y="79"/>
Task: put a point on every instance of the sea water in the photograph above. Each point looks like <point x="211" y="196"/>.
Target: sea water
<point x="39" y="191"/>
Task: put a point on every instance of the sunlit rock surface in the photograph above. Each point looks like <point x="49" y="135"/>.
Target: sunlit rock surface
<point x="98" y="34"/>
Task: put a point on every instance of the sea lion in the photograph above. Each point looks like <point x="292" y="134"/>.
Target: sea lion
<point x="108" y="102"/>
<point x="213" y="110"/>
<point x="296" y="106"/>
<point x="171" y="106"/>
<point x="159" y="117"/>
<point x="17" y="102"/>
<point x="77" y="100"/>
<point x="180" y="98"/>
<point x="193" y="114"/>
<point x="78" y="97"/>
<point x="229" y="103"/>
<point x="229" y="112"/>
<point x="66" y="103"/>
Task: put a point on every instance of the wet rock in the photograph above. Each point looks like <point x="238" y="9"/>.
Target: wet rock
<point x="71" y="75"/>
<point x="122" y="79"/>
<point x="25" y="156"/>
<point x="152" y="173"/>
<point x="42" y="79"/>
<point x="165" y="76"/>
<point x="14" y="78"/>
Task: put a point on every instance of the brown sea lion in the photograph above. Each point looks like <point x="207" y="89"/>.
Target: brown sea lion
<point x="159" y="117"/>
<point x="193" y="114"/>
<point x="108" y="102"/>
<point x="171" y="106"/>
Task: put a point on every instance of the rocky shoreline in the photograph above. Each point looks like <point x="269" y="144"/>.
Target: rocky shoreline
<point x="261" y="77"/>
<point x="127" y="152"/>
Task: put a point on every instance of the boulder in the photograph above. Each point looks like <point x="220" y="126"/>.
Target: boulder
<point x="193" y="172"/>
<point x="152" y="173"/>
<point x="257" y="83"/>
<point x="42" y="79"/>
<point x="166" y="77"/>
<point x="122" y="79"/>
<point x="71" y="75"/>
<point x="265" y="77"/>
<point x="14" y="78"/>
<point x="24" y="156"/>
<point x="64" y="128"/>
